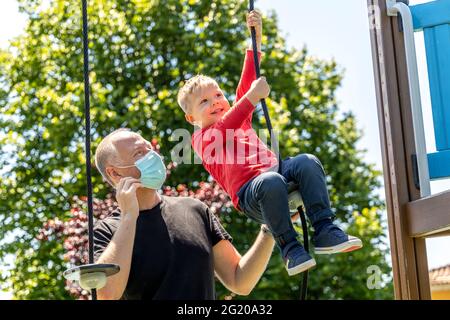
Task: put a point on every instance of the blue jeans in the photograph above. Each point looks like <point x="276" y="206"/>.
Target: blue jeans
<point x="265" y="197"/>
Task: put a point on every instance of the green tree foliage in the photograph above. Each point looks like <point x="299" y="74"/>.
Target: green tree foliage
<point x="140" y="52"/>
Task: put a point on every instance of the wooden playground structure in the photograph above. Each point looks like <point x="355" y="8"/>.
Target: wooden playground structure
<point x="413" y="213"/>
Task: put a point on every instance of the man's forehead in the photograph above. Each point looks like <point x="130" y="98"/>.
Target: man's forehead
<point x="126" y="139"/>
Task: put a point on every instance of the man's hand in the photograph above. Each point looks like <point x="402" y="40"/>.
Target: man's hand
<point x="126" y="196"/>
<point x="260" y="89"/>
<point x="295" y="217"/>
<point x="254" y="19"/>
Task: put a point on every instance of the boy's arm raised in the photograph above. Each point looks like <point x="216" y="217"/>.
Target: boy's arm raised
<point x="248" y="74"/>
<point x="236" y="116"/>
<point x="254" y="20"/>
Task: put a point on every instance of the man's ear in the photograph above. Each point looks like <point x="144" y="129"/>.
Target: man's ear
<point x="112" y="174"/>
<point x="189" y="118"/>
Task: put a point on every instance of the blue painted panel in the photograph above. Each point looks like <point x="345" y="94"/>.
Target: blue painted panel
<point x="431" y="14"/>
<point x="437" y="43"/>
<point x="439" y="164"/>
<point x="433" y="18"/>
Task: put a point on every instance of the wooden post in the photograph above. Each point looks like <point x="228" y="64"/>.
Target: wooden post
<point x="409" y="258"/>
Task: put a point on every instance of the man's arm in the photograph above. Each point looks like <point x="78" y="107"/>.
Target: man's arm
<point x="241" y="274"/>
<point x="120" y="249"/>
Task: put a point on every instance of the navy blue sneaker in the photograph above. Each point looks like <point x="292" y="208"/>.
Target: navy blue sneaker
<point x="331" y="239"/>
<point x="297" y="259"/>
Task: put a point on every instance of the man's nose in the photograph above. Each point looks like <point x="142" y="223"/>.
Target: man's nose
<point x="147" y="150"/>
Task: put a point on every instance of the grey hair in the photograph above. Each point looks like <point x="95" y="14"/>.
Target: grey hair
<point x="105" y="152"/>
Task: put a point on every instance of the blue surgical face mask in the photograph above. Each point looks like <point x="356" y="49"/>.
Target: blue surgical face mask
<point x="153" y="170"/>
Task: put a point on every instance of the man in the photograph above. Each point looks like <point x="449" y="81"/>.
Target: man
<point x="167" y="247"/>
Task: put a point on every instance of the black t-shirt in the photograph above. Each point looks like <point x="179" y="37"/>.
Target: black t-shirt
<point x="172" y="254"/>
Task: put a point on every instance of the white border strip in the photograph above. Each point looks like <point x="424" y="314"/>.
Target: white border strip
<point x="393" y="8"/>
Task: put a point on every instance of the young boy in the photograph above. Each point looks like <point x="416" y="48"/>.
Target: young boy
<point x="249" y="175"/>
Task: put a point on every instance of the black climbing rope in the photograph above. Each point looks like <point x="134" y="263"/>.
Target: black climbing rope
<point x="88" y="139"/>
<point x="90" y="276"/>
<point x="304" y="286"/>
<point x="273" y="139"/>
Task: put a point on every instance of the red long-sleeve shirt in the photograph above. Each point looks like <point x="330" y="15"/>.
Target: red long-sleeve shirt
<point x="230" y="149"/>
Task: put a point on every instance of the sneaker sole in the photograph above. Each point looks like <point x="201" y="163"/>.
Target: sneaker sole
<point x="351" y="245"/>
<point x="302" y="267"/>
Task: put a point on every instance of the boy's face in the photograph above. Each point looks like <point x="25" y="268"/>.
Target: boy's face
<point x="207" y="106"/>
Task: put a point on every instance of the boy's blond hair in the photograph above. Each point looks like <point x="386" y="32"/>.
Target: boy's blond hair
<point x="190" y="88"/>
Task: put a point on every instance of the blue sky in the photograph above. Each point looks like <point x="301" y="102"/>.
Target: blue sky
<point x="330" y="29"/>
